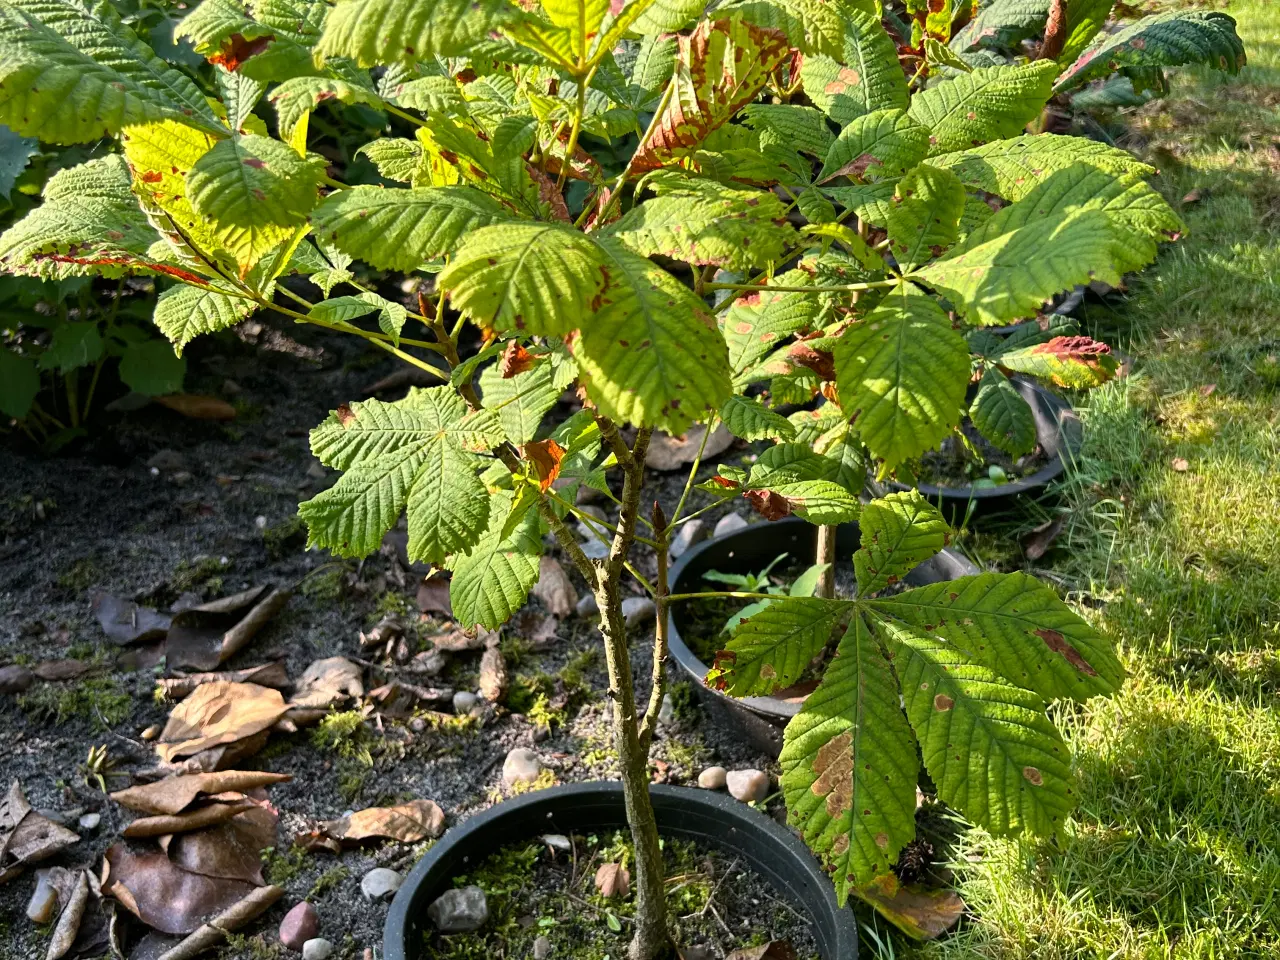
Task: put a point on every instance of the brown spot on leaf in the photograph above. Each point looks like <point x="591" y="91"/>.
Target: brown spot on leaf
<point x="1056" y="642"/>
<point x="767" y="503"/>
<point x="345" y="415"/>
<point x="236" y="50"/>
<point x="1033" y="776"/>
<point x="833" y="770"/>
<point x="942" y="703"/>
<point x="545" y="455"/>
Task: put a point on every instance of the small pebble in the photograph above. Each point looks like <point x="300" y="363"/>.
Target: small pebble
<point x="521" y="766"/>
<point x="713" y="778"/>
<point x="464" y="701"/>
<point x="729" y="523"/>
<point x="260" y="522"/>
<point x="380" y="883"/>
<point x="587" y="607"/>
<point x="44" y="901"/>
<point x="89" y="822"/>
<point x="541" y="948"/>
<point x="667" y="712"/>
<point x="688" y="534"/>
<point x="459" y="910"/>
<point x="299" y="925"/>
<point x="151" y="732"/>
<point x="317" y="949"/>
<point x="557" y="841"/>
<point x="15" y="679"/>
<point x="595" y="550"/>
<point x="637" y="610"/>
<point x="749" y="786"/>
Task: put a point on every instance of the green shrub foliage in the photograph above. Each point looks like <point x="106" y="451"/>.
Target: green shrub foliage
<point x="689" y="218"/>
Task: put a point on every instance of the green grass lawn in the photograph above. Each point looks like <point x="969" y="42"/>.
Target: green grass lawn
<point x="1175" y="850"/>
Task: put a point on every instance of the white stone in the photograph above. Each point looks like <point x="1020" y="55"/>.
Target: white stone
<point x="44" y="901"/>
<point x="521" y="766"/>
<point x="667" y="712"/>
<point x="89" y="822"/>
<point x="317" y="949"/>
<point x="712" y="778"/>
<point x="688" y="534"/>
<point x="749" y="786"/>
<point x="541" y="948"/>
<point x="637" y="611"/>
<point x="729" y="523"/>
<point x="459" y="910"/>
<point x="464" y="701"/>
<point x="595" y="550"/>
<point x="380" y="883"/>
<point x="587" y="607"/>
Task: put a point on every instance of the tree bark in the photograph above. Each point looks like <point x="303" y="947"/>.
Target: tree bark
<point x="827" y="554"/>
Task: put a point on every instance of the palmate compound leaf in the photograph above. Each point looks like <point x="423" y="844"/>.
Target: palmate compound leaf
<point x="898" y="532"/>
<point x="771" y="649"/>
<point x="986" y="742"/>
<point x="89" y="222"/>
<point x="901" y="375"/>
<point x="184" y="312"/>
<point x="1000" y="414"/>
<point x="756" y="323"/>
<point x="925" y="217"/>
<point x="396" y="456"/>
<point x="749" y="419"/>
<point x="298" y="96"/>
<point x="863" y="78"/>
<point x="72" y="72"/>
<point x="255" y="192"/>
<point x="651" y="355"/>
<point x="523" y="400"/>
<point x="1015" y="625"/>
<point x="849" y="765"/>
<point x="493" y="580"/>
<point x="707" y="223"/>
<point x="374" y="32"/>
<point x="1013" y="168"/>
<point x="876" y="146"/>
<point x="394" y="229"/>
<point x="1161" y="40"/>
<point x="990" y="103"/>
<point x="720" y="68"/>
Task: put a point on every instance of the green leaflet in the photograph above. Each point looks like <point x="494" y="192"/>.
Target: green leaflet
<point x="877" y="145"/>
<point x="73" y="345"/>
<point x="703" y="222"/>
<point x="402" y="229"/>
<point x="523" y="400"/>
<point x="788" y="125"/>
<point x="770" y="650"/>
<point x="398" y="456"/>
<point x="151" y="368"/>
<point x="1002" y="416"/>
<point x="395" y="158"/>
<point x="990" y="103"/>
<point x="721" y="67"/>
<point x="1077" y="363"/>
<point x="533" y="278"/>
<point x="391" y="315"/>
<point x="1014" y="773"/>
<point x="183" y="313"/>
<point x="899" y="532"/>
<point x="1013" y="624"/>
<point x="1006" y="276"/>
<point x="804" y="483"/>
<point x="651" y="354"/>
<point x="811" y="26"/>
<point x="1004" y="24"/>
<point x="901" y="375"/>
<point x="757" y="322"/>
<point x="373" y="32"/>
<point x="849" y="765"/>
<point x="1162" y="40"/>
<point x="1084" y="19"/>
<point x="925" y="217"/>
<point x="1013" y="168"/>
<point x="298" y="96"/>
<point x="89" y="223"/>
<point x="255" y="191"/>
<point x="748" y="418"/>
<point x="863" y="78"/>
<point x="19" y="384"/>
<point x="650" y="18"/>
<point x="493" y="580"/>
<point x="71" y="72"/>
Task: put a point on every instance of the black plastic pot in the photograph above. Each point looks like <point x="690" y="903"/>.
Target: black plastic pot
<point x="1059" y="433"/>
<point x="711" y="818"/>
<point x="761" y="719"/>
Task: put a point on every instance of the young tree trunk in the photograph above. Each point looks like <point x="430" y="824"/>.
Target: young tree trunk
<point x="827" y="555"/>
<point x="650" y="938"/>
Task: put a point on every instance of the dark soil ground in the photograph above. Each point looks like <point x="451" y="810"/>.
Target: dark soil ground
<point x="214" y="516"/>
<point x="955" y="465"/>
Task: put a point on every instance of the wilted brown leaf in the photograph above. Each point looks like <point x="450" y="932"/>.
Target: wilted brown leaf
<point x="329" y="681"/>
<point x="204" y="636"/>
<point x="164" y="896"/>
<point x="515" y="360"/>
<point x="26" y="837"/>
<point x="410" y="822"/>
<point x="124" y="622"/>
<point x="198" y="407"/>
<point x="493" y="675"/>
<point x="217" y="714"/>
<point x="769" y="504"/>
<point x="268" y="675"/>
<point x="916" y="910"/>
<point x="175" y="794"/>
<point x="545" y="455"/>
<point x="231" y="850"/>
<point x="433" y="596"/>
<point x="1037" y="541"/>
<point x="774" y="950"/>
<point x="613" y="880"/>
<point x="197" y="819"/>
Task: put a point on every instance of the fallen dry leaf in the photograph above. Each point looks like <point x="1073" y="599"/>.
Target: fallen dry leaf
<point x="433" y="596"/>
<point x="1036" y="541"/>
<point x="410" y="822"/>
<point x="198" y="407"/>
<point x="164" y="896"/>
<point x="124" y="622"/>
<point x="26" y="837"/>
<point x="268" y="675"/>
<point x="387" y="630"/>
<point x="554" y="588"/>
<point x="64" y="934"/>
<point x="459" y="641"/>
<point x="774" y="950"/>
<point x="217" y="714"/>
<point x="1180" y="464"/>
<point x="613" y="880"/>
<point x="1208" y="389"/>
<point x="231" y="850"/>
<point x="493" y="675"/>
<point x="56" y="670"/>
<point x="204" y="636"/>
<point x="917" y="911"/>
<point x="175" y="794"/>
<point x="329" y="681"/>
<point x="185" y="822"/>
<point x="213" y="932"/>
